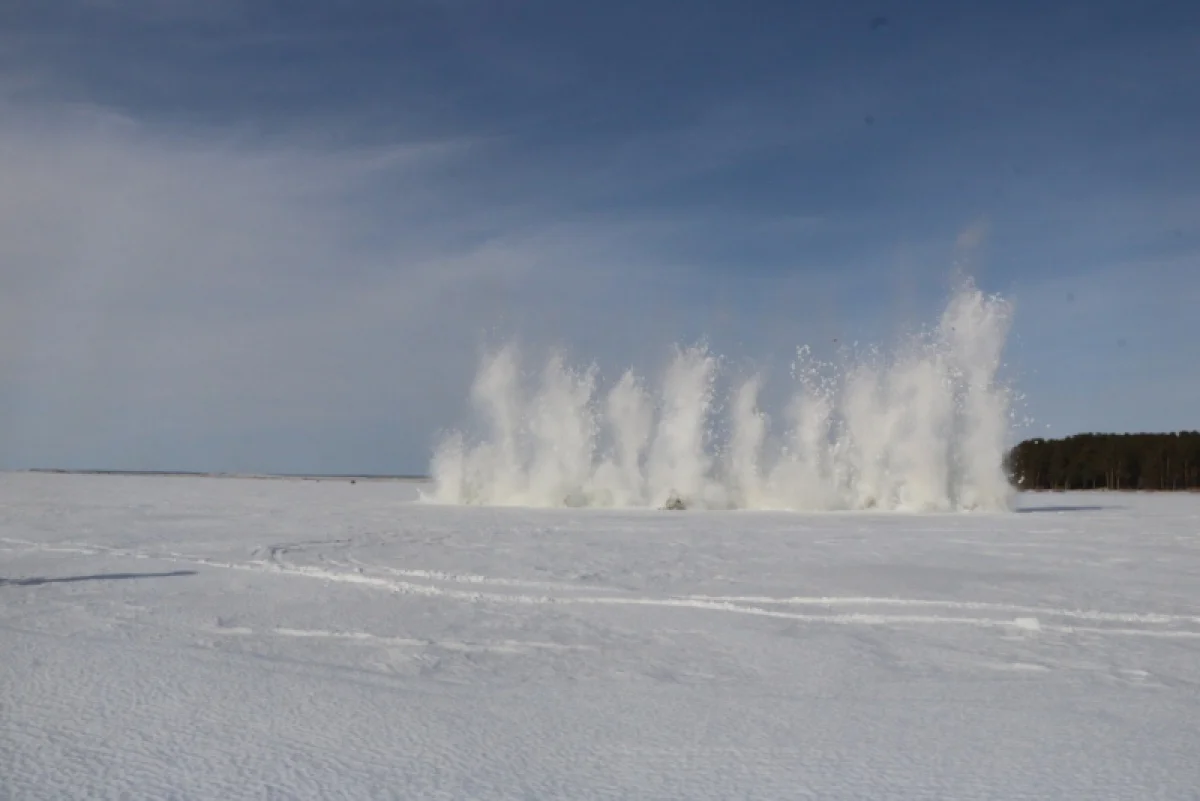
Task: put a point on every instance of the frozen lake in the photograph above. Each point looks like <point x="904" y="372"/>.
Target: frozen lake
<point x="203" y="638"/>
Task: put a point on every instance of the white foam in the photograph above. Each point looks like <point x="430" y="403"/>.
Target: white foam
<point x="920" y="429"/>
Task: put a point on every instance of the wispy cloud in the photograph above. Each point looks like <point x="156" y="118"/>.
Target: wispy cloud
<point x="276" y="237"/>
<point x="159" y="288"/>
<point x="193" y="284"/>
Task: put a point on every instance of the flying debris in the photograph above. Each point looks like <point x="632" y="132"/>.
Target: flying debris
<point x="922" y="429"/>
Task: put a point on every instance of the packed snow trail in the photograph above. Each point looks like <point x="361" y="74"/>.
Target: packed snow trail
<point x="227" y="639"/>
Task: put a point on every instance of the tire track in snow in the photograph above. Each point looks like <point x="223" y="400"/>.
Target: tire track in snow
<point x="464" y="646"/>
<point x="1078" y="614"/>
<point x="1028" y="624"/>
<point x="473" y="578"/>
<point x="1029" y="621"/>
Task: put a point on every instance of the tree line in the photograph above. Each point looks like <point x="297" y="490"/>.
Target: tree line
<point x="1108" y="461"/>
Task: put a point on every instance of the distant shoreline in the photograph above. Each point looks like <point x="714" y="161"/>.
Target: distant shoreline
<point x="199" y="474"/>
<point x="1110" y="490"/>
<point x="416" y="478"/>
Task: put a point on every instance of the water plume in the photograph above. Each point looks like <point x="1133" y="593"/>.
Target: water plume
<point x="922" y="428"/>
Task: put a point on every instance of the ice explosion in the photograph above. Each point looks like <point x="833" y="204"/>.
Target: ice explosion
<point x="922" y="429"/>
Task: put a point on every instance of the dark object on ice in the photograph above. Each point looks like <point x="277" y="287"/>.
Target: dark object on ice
<point x="37" y="582"/>
<point x="674" y="503"/>
<point x="1028" y="510"/>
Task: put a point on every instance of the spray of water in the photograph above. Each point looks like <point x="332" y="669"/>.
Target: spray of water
<point x="922" y="428"/>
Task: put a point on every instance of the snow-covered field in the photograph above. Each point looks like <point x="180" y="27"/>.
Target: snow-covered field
<point x="201" y="638"/>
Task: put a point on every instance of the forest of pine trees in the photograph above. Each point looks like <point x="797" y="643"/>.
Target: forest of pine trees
<point x="1108" y="461"/>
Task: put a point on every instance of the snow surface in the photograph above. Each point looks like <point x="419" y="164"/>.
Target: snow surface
<point x="199" y="638"/>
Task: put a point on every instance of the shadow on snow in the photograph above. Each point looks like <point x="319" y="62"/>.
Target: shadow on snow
<point x="34" y="582"/>
<point x="1048" y="509"/>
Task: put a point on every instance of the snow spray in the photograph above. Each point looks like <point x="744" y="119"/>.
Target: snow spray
<point x="921" y="428"/>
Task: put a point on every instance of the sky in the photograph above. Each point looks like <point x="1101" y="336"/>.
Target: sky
<point x="273" y="236"/>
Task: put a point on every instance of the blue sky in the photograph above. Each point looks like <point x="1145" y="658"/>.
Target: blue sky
<point x="275" y="235"/>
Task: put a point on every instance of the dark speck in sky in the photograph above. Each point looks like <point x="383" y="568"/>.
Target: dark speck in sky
<point x="878" y="22"/>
